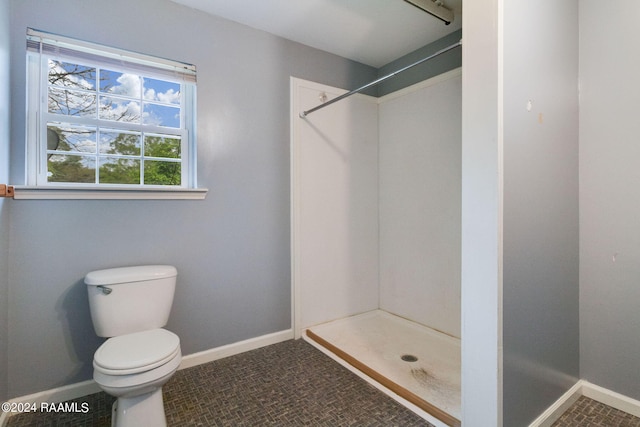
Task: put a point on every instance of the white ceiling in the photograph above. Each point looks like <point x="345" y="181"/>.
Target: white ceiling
<point x="374" y="32"/>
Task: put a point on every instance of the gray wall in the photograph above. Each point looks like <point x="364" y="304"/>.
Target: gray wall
<point x="540" y="229"/>
<point x="231" y="250"/>
<point x="438" y="65"/>
<point x="4" y="178"/>
<point x="610" y="196"/>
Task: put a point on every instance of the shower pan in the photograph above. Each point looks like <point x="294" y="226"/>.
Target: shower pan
<point x="415" y="362"/>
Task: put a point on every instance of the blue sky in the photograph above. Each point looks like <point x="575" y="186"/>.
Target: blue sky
<point x="160" y="99"/>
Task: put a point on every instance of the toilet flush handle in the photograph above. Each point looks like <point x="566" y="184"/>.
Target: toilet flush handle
<point x="105" y="290"/>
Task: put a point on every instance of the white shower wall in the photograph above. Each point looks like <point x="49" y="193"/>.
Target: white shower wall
<point x="376" y="190"/>
<point x="420" y="134"/>
<point x="334" y="205"/>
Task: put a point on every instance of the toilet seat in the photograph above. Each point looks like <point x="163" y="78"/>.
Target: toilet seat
<point x="136" y="352"/>
<point x="112" y="383"/>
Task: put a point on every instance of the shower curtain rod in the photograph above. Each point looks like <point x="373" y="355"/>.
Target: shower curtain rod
<point x="304" y="114"/>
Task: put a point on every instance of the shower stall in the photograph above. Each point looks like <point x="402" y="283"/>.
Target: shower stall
<point x="376" y="194"/>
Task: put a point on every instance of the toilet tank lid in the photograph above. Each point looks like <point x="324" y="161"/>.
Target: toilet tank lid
<point x="139" y="273"/>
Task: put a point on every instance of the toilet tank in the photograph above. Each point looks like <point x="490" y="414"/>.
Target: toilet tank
<point x="130" y="299"/>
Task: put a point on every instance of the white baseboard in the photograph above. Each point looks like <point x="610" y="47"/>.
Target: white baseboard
<point x="85" y="388"/>
<point x="555" y="411"/>
<point x="592" y="391"/>
<point x="611" y="398"/>
<point x="235" y="348"/>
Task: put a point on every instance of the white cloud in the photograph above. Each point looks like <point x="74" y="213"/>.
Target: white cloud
<point x="129" y="85"/>
<point x="150" y="95"/>
<point x="170" y="97"/>
<point x="121" y="110"/>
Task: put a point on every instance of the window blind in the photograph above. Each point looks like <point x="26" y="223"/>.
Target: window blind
<point x="65" y="47"/>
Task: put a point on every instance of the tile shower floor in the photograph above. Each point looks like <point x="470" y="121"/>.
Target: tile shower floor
<point x="286" y="384"/>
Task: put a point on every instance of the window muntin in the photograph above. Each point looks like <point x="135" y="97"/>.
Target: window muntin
<point x="104" y="124"/>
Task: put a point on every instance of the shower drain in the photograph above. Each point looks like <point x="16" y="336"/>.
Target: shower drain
<point x="409" y="358"/>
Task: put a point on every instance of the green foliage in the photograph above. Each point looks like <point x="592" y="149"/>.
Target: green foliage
<point x="160" y="146"/>
<point x="161" y="173"/>
<point x="117" y="170"/>
<point x="69" y="169"/>
<point x="120" y="171"/>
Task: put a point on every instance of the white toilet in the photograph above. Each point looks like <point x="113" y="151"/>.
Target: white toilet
<point x="130" y="305"/>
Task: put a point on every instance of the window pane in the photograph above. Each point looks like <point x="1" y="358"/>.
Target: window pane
<point x="162" y="146"/>
<point x="70" y="168"/>
<point x="161" y="91"/>
<point x="161" y="115"/>
<point x="71" y="76"/>
<point x="118" y="83"/>
<point x="119" y="171"/>
<point x="120" y="110"/>
<point x="161" y="173"/>
<point x="123" y="143"/>
<point x="98" y="122"/>
<point x="61" y="137"/>
<point x="71" y="102"/>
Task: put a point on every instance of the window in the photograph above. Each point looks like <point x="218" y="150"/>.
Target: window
<point x="103" y="117"/>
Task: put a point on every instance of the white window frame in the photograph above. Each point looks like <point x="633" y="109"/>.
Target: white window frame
<point x="42" y="46"/>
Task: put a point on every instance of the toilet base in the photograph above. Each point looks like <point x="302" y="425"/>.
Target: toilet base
<point x="143" y="410"/>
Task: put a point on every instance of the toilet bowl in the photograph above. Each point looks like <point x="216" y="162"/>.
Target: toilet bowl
<point x="133" y="368"/>
<point x="129" y="306"/>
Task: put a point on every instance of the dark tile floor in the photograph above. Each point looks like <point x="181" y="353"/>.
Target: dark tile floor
<point x="286" y="384"/>
<point x="590" y="413"/>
